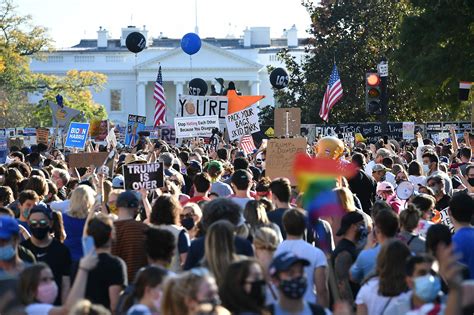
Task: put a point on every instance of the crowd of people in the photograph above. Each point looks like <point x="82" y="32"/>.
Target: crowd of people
<point x="220" y="237"/>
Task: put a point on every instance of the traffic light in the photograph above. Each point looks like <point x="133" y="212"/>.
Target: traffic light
<point x="373" y="94"/>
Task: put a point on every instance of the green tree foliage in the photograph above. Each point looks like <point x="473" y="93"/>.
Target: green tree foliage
<point x="19" y="42"/>
<point x="437" y="51"/>
<point x="356" y="34"/>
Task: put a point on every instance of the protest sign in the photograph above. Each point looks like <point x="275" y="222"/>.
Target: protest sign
<point x="16" y="142"/>
<point x="167" y="134"/>
<point x="86" y="159"/>
<point x="188" y="127"/>
<point x="446" y="219"/>
<point x="3" y="150"/>
<point x="42" y="135"/>
<point x="241" y="123"/>
<point x="408" y="130"/>
<point x="77" y="135"/>
<point x="287" y="120"/>
<point x="197" y="106"/>
<point x="280" y="156"/>
<point x="135" y="125"/>
<point x="11" y="132"/>
<point x="99" y="130"/>
<point x="138" y="176"/>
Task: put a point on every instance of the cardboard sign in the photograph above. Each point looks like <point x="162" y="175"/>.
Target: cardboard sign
<point x="77" y="135"/>
<point x="138" y="176"/>
<point x="42" y="135"/>
<point x="408" y="130"/>
<point x="188" y="127"/>
<point x="290" y="122"/>
<point x="87" y="159"/>
<point x="197" y="106"/>
<point x="280" y="156"/>
<point x="135" y="125"/>
<point x="241" y="123"/>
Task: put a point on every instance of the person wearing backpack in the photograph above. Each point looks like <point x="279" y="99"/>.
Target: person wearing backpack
<point x="287" y="274"/>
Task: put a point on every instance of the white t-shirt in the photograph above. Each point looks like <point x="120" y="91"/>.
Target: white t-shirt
<point x="61" y="206"/>
<point x="368" y="295"/>
<point x="369" y="167"/>
<point x="38" y="309"/>
<point x="417" y="180"/>
<point x="314" y="255"/>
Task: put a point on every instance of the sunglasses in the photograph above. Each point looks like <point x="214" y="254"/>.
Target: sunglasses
<point x="39" y="223"/>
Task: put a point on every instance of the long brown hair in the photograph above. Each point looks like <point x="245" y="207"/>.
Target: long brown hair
<point x="29" y="280"/>
<point x="219" y="251"/>
<point x="391" y="268"/>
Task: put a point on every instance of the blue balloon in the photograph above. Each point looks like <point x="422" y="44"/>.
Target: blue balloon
<point x="191" y="43"/>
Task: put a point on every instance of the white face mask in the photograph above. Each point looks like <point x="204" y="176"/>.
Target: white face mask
<point x="426" y="168"/>
<point x="9" y="160"/>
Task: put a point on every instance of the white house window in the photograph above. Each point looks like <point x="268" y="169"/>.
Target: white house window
<point x="273" y="58"/>
<point x="82" y="58"/>
<point x="55" y="58"/>
<point x="115" y="100"/>
<point x="114" y="58"/>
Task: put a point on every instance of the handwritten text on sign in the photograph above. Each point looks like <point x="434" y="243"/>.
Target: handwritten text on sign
<point x="241" y="123"/>
<point x="280" y="156"/>
<point x="187" y="127"/>
<point x="147" y="176"/>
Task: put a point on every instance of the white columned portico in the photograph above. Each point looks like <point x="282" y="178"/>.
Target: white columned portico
<point x="141" y="98"/>
<point x="254" y="87"/>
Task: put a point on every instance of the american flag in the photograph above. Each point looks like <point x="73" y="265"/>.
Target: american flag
<point x="246" y="142"/>
<point x="332" y="95"/>
<point x="159" y="96"/>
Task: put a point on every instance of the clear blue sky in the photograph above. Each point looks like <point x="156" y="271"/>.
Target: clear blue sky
<point x="70" y="20"/>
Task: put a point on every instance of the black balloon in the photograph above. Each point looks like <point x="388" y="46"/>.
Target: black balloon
<point x="197" y="86"/>
<point x="279" y="78"/>
<point x="135" y="42"/>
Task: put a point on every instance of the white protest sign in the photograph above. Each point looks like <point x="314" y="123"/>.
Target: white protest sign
<point x="188" y="127"/>
<point x="408" y="130"/>
<point x="244" y="122"/>
<point x="446" y="220"/>
<point x="198" y="106"/>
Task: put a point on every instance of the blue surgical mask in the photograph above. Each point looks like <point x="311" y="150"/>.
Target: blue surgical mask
<point x="7" y="252"/>
<point x="427" y="287"/>
<point x="426" y="168"/>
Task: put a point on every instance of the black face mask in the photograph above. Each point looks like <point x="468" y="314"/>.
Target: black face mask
<point x="188" y="223"/>
<point x="470" y="181"/>
<point x="39" y="232"/>
<point x="258" y="291"/>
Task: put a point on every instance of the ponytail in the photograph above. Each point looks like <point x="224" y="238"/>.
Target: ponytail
<point x="58" y="226"/>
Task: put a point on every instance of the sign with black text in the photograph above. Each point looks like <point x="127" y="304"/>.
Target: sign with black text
<point x="241" y="123"/>
<point x="188" y="127"/>
<point x="197" y="106"/>
<point x="147" y="176"/>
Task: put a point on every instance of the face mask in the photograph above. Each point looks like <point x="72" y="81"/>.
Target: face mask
<point x="258" y="291"/>
<point x="295" y="288"/>
<point x="362" y="233"/>
<point x="435" y="189"/>
<point x="47" y="292"/>
<point x="26" y="213"/>
<point x="7" y="252"/>
<point x="426" y="168"/>
<point x="9" y="160"/>
<point x="39" y="232"/>
<point x="427" y="287"/>
<point x="470" y="181"/>
<point x="187" y="223"/>
<point x="157" y="303"/>
<point x="383" y="178"/>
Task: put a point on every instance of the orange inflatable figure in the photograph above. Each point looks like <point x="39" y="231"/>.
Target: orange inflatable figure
<point x="329" y="148"/>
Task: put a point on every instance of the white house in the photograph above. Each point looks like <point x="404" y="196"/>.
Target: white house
<point x="131" y="76"/>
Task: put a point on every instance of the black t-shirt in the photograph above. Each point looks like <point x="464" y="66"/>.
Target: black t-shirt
<point x="56" y="255"/>
<point x="350" y="247"/>
<point x="364" y="187"/>
<point x="26" y="255"/>
<point x="443" y="203"/>
<point x="110" y="270"/>
<point x="276" y="216"/>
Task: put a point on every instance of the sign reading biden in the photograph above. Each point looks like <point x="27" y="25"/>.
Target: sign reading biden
<point x="77" y="135"/>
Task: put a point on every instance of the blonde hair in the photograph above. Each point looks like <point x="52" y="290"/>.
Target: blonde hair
<point x="176" y="291"/>
<point x="265" y="238"/>
<point x="255" y="214"/>
<point x="219" y="250"/>
<point x="195" y="207"/>
<point x="82" y="200"/>
<point x="347" y="199"/>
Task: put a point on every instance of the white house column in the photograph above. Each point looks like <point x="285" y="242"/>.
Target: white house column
<point x="255" y="88"/>
<point x="141" y="98"/>
<point x="179" y="88"/>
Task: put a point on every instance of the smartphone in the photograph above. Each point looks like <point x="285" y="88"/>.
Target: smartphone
<point x="88" y="245"/>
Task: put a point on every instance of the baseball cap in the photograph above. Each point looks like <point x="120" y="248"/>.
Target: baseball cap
<point x="41" y="208"/>
<point x="8" y="227"/>
<point x="347" y="220"/>
<point x="384" y="186"/>
<point x="196" y="165"/>
<point x="117" y="182"/>
<point x="379" y="167"/>
<point x="166" y="158"/>
<point x="128" y="199"/>
<point x="284" y="261"/>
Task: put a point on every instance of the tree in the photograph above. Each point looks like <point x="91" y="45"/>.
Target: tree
<point x="20" y="41"/>
<point x="355" y="35"/>
<point x="437" y="51"/>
